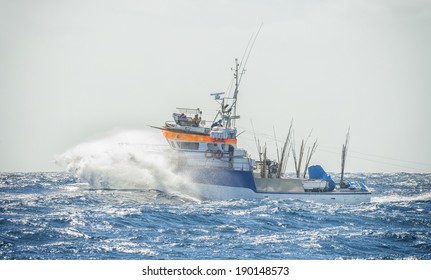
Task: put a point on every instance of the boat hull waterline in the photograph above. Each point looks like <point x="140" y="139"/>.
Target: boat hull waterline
<point x="214" y="192"/>
<point x="213" y="184"/>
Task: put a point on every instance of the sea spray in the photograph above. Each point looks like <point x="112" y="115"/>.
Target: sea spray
<point x="394" y="198"/>
<point x="125" y="159"/>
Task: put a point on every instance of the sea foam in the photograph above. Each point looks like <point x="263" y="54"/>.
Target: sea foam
<point x="124" y="159"/>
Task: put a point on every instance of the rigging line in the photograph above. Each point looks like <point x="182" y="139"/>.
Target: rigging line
<point x="229" y="89"/>
<point x="308" y="137"/>
<point x="335" y="150"/>
<point x="246" y="49"/>
<point x="238" y="69"/>
<point x="392" y="164"/>
<point x="332" y="150"/>
<point x="267" y="137"/>
<point x="379" y="156"/>
<point x="276" y="145"/>
<point x="249" y="52"/>
<point x="377" y="161"/>
<point x="270" y="138"/>
<point x="255" y="140"/>
<point x="388" y="158"/>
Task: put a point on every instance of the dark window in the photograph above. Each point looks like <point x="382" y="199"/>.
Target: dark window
<point x="188" y="145"/>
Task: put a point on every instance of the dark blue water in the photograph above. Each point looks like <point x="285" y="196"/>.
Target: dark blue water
<point x="55" y="216"/>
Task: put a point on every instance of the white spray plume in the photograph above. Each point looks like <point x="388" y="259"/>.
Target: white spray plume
<point x="124" y="159"/>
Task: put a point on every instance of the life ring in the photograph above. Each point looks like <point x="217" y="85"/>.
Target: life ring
<point x="218" y="154"/>
<point x="208" y="154"/>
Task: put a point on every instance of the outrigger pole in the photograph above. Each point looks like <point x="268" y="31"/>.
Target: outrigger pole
<point x="343" y="158"/>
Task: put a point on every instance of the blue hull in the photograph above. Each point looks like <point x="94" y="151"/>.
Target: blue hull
<point x="220" y="177"/>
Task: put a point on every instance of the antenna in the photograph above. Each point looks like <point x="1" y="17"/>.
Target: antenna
<point x="236" y="88"/>
<point x="217" y="95"/>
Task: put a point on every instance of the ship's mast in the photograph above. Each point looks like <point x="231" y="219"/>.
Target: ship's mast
<point x="236" y="76"/>
<point x="228" y="104"/>
<point x="235" y="95"/>
<point x="239" y="70"/>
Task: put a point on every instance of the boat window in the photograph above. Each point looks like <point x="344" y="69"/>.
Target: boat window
<point x="188" y="145"/>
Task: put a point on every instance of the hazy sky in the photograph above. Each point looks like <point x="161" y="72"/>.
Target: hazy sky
<point x="73" y="70"/>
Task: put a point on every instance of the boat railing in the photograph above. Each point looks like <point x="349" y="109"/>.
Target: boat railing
<point x="202" y="123"/>
<point x="243" y="164"/>
<point x="170" y="124"/>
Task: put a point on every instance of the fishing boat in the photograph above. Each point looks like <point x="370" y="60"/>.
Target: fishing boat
<point x="209" y="156"/>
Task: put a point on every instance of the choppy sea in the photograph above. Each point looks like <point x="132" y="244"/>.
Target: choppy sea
<point x="58" y="216"/>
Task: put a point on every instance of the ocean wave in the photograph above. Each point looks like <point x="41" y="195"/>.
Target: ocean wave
<point x="55" y="216"/>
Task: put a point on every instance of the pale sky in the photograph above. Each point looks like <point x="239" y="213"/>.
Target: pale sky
<point x="73" y="70"/>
